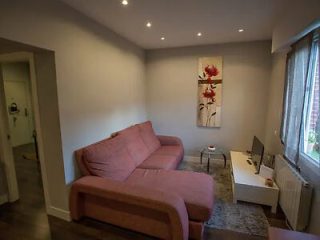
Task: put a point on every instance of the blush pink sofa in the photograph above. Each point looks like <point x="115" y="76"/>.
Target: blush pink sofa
<point x="130" y="181"/>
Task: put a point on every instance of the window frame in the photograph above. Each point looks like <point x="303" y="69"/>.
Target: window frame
<point x="309" y="104"/>
<point x="295" y="151"/>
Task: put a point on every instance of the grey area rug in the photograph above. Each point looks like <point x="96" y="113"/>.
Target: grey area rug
<point x="241" y="217"/>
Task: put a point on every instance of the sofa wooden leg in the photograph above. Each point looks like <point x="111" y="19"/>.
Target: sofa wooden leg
<point x="196" y="230"/>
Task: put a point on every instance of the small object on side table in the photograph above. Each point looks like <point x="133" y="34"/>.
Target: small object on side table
<point x="211" y="148"/>
<point x="269" y="182"/>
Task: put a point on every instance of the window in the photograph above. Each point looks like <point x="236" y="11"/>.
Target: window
<point x="312" y="124"/>
<point x="300" y="131"/>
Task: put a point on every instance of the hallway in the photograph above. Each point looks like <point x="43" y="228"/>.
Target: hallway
<point x="26" y="218"/>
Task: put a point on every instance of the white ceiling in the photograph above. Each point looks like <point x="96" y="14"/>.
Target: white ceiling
<point x="179" y="21"/>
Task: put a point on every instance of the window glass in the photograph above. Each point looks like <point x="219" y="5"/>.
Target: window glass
<point x="312" y="118"/>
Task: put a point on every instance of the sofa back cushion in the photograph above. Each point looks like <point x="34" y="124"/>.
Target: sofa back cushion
<point x="109" y="159"/>
<point x="81" y="165"/>
<point x="148" y="136"/>
<point x="136" y="146"/>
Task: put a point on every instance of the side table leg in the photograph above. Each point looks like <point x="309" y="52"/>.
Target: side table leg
<point x="201" y="158"/>
<point x="208" y="165"/>
<point x="225" y="160"/>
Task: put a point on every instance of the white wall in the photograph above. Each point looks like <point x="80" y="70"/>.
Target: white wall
<point x="100" y="76"/>
<point x="50" y="132"/>
<point x="16" y="72"/>
<point x="274" y="111"/>
<point x="293" y="21"/>
<point x="172" y="94"/>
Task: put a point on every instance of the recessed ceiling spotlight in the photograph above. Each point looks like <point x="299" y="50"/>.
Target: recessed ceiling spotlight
<point x="240" y="30"/>
<point x="163" y="38"/>
<point x="125" y="2"/>
<point x="149" y="24"/>
<point x="199" y="34"/>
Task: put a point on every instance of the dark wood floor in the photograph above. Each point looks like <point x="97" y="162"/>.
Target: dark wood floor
<point x="26" y="219"/>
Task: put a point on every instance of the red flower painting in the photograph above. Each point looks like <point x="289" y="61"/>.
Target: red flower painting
<point x="209" y="93"/>
<point x="211" y="71"/>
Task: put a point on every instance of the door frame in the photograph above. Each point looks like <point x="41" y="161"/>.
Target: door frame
<point x="13" y="191"/>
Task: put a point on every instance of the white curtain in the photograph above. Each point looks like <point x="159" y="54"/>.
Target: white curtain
<point x="294" y="98"/>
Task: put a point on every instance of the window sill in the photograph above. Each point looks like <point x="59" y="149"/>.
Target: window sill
<point x="310" y="163"/>
<point x="310" y="159"/>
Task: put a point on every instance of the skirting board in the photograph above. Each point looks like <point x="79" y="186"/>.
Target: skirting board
<point x="59" y="213"/>
<point x="3" y="199"/>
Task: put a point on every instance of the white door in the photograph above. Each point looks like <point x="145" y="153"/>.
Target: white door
<point x="6" y="154"/>
<point x="20" y="122"/>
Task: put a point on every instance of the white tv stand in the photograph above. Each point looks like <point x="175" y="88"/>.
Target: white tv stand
<point x="248" y="186"/>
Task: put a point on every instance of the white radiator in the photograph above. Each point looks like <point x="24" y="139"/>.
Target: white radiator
<point x="295" y="194"/>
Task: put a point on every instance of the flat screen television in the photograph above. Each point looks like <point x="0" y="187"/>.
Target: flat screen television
<point x="257" y="153"/>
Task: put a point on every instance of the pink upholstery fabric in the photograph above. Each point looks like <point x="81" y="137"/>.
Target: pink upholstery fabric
<point x="79" y="158"/>
<point x="196" y="189"/>
<point x="130" y="193"/>
<point x="136" y="147"/>
<point x="176" y="151"/>
<point x="160" y="162"/>
<point x="109" y="159"/>
<point x="169" y="140"/>
<point x="148" y="136"/>
<point x="153" y="212"/>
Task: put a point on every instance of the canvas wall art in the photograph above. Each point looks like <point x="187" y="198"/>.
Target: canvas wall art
<point x="209" y="91"/>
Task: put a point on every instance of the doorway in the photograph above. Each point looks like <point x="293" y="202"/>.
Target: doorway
<point x="18" y="149"/>
<point x="47" y="125"/>
<point x="29" y="193"/>
<point x="19" y="102"/>
<point x="22" y="134"/>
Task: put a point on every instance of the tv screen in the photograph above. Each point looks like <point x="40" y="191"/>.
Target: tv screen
<point x="257" y="153"/>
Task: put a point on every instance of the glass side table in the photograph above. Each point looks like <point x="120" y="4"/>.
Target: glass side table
<point x="211" y="154"/>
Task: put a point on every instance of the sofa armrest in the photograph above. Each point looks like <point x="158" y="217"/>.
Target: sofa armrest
<point x="169" y="140"/>
<point x="170" y="204"/>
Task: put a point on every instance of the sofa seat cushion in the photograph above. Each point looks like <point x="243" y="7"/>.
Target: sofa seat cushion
<point x="109" y="159"/>
<point x="160" y="162"/>
<point x="196" y="189"/>
<point x="134" y="143"/>
<point x="148" y="136"/>
<point x="176" y="151"/>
